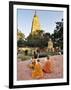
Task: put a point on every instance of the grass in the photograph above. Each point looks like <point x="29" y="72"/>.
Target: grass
<point x="52" y="53"/>
<point x="23" y="57"/>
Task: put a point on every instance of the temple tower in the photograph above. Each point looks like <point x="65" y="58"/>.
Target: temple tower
<point x="35" y="25"/>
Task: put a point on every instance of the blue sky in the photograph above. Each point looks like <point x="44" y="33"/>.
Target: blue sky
<point x="47" y="20"/>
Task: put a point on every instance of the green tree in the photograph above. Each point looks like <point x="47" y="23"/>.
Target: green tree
<point x="37" y="40"/>
<point x="57" y="36"/>
<point x="20" y="35"/>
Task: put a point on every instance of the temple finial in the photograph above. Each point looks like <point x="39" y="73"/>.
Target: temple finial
<point x="35" y="13"/>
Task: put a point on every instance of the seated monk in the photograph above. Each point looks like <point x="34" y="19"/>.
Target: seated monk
<point x="33" y="63"/>
<point x="37" y="71"/>
<point x="48" y="67"/>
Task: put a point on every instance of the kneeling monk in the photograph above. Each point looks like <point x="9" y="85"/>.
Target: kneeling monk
<point x="32" y="64"/>
<point x="37" y="72"/>
<point x="48" y="67"/>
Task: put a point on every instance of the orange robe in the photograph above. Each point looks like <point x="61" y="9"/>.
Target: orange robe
<point x="48" y="67"/>
<point x="37" y="72"/>
<point x="32" y="65"/>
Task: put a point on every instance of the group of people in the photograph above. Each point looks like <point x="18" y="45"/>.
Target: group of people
<point x="38" y="70"/>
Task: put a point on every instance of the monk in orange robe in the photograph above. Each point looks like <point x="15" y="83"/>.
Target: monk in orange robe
<point x="37" y="73"/>
<point x="33" y="63"/>
<point x="48" y="67"/>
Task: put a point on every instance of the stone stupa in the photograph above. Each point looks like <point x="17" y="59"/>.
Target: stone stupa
<point x="35" y="25"/>
<point x="50" y="45"/>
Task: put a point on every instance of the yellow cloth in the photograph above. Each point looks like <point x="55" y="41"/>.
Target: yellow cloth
<point x="31" y="66"/>
<point x="37" y="72"/>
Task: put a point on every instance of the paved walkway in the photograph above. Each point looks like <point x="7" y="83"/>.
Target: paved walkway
<point x="24" y="72"/>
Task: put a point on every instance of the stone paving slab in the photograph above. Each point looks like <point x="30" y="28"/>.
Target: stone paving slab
<point x="24" y="72"/>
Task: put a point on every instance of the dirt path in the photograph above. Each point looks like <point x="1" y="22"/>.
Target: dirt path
<point x="24" y="72"/>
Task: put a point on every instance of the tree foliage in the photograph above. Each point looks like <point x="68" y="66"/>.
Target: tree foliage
<point x="38" y="40"/>
<point x="57" y="36"/>
<point x="41" y="38"/>
<point x="20" y="35"/>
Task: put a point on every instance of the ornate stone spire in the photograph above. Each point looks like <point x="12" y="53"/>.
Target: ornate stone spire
<point x="35" y="24"/>
<point x="35" y="14"/>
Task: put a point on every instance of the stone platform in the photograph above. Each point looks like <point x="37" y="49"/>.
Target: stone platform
<point x="24" y="72"/>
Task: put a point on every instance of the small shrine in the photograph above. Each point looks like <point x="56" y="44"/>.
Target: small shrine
<point x="50" y="45"/>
